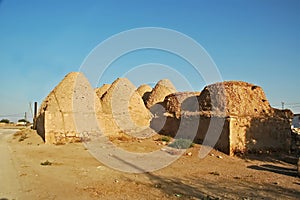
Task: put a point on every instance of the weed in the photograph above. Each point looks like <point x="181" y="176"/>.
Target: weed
<point x="22" y="138"/>
<point x="122" y="137"/>
<point x="165" y="139"/>
<point x="215" y="173"/>
<point x="182" y="144"/>
<point x="19" y="133"/>
<point x="46" y="163"/>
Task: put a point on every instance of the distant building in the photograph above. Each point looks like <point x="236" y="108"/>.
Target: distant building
<point x="296" y="121"/>
<point x="21" y="123"/>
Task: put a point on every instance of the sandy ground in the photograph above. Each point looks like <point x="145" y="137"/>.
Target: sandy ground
<point x="9" y="185"/>
<point x="75" y="174"/>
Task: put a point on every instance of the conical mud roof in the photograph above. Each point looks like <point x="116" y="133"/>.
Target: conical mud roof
<point x="61" y="97"/>
<point x="123" y="104"/>
<point x="145" y="91"/>
<point x="68" y="110"/>
<point x="74" y="88"/>
<point x="102" y="90"/>
<point x="162" y="89"/>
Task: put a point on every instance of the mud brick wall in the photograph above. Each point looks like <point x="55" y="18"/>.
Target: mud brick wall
<point x="195" y="127"/>
<point x="249" y="123"/>
<point x="57" y="127"/>
<point x="259" y="134"/>
<point x="62" y="128"/>
<point x="238" y="134"/>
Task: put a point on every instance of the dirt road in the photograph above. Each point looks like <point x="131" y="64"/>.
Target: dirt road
<point x="9" y="185"/>
<point x="72" y="173"/>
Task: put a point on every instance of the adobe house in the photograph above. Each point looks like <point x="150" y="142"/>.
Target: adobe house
<point x="123" y="109"/>
<point x="74" y="108"/>
<point x="238" y="111"/>
<point x="71" y="108"/>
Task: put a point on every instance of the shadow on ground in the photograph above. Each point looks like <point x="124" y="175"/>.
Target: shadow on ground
<point x="273" y="157"/>
<point x="276" y="169"/>
<point x="218" y="187"/>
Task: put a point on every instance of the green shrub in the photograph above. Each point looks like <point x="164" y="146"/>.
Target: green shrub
<point x="182" y="144"/>
<point x="165" y="139"/>
<point x="4" y="121"/>
<point x="23" y="120"/>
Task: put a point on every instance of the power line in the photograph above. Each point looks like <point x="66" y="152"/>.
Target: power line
<point x="13" y="115"/>
<point x="293" y="104"/>
<point x="28" y="113"/>
<point x="286" y="104"/>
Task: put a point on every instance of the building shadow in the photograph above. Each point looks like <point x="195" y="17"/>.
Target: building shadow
<point x="171" y="186"/>
<point x="275" y="169"/>
<point x="216" y="187"/>
<point x="40" y="126"/>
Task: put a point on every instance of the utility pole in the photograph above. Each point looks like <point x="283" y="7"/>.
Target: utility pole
<point x="282" y="105"/>
<point x="35" y="110"/>
<point x="34" y="116"/>
<point x="25" y="117"/>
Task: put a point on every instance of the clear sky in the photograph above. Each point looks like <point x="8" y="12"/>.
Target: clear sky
<point x="257" y="41"/>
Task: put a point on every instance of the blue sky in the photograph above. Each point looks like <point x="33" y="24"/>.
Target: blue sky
<point x="257" y="41"/>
